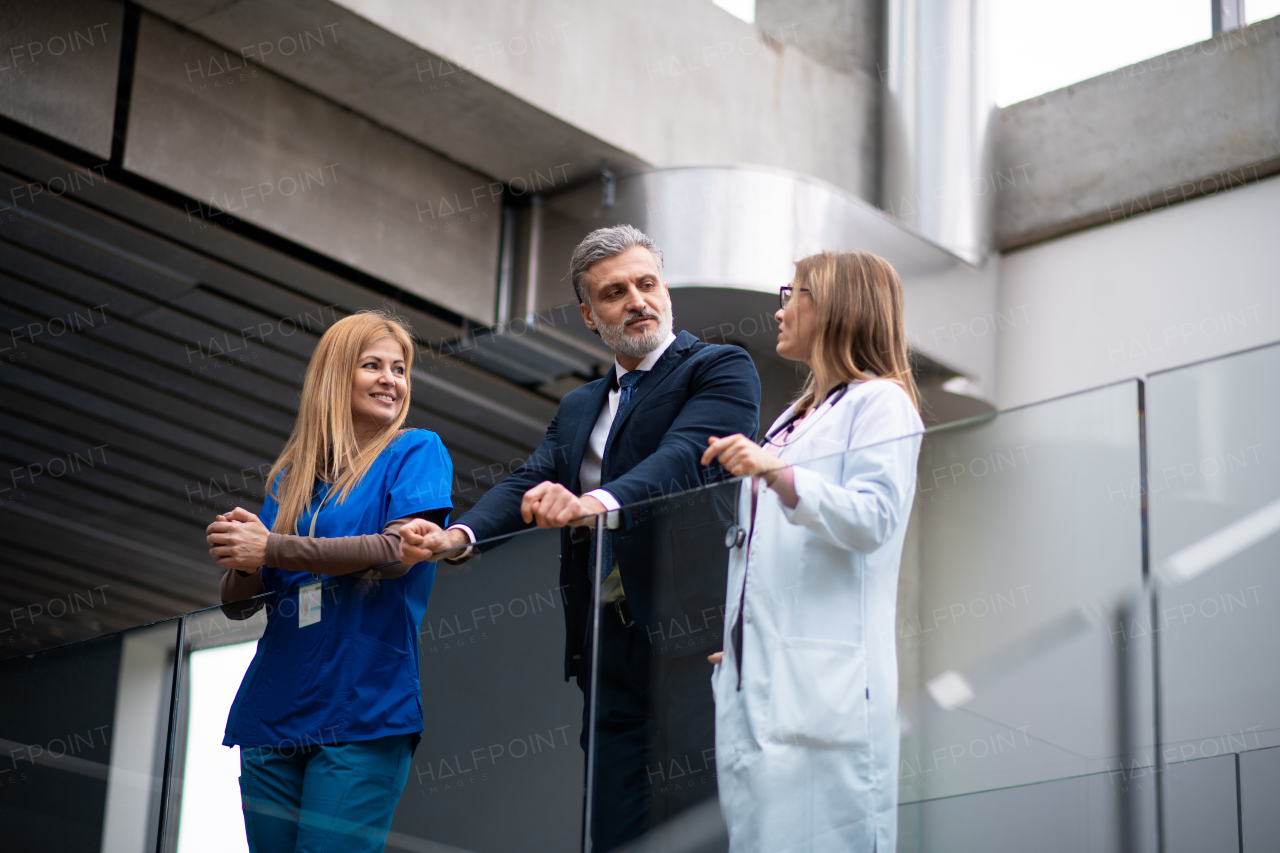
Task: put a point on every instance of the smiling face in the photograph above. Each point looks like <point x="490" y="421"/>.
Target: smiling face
<point x="797" y="324"/>
<point x="379" y="387"/>
<point x="628" y="304"/>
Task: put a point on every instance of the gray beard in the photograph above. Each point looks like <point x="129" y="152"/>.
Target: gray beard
<point x="617" y="339"/>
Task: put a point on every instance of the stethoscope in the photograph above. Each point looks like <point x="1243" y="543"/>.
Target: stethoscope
<point x="736" y="535"/>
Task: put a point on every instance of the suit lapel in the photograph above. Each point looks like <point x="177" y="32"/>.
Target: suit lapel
<point x="646" y="387"/>
<point x="591" y="413"/>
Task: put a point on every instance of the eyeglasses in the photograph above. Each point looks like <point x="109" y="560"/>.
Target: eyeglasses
<point x="786" y="292"/>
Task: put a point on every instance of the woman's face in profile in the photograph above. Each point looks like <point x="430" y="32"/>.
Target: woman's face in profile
<point x="379" y="387"/>
<point x="796" y="324"/>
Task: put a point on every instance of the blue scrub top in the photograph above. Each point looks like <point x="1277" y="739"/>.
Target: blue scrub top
<point x="353" y="675"/>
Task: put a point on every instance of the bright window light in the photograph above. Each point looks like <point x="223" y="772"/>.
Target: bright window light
<point x="211" y="820"/>
<point x="1260" y="10"/>
<point x="1039" y="46"/>
<point x="744" y="9"/>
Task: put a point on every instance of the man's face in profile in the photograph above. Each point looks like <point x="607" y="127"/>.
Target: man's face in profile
<point x="627" y="302"/>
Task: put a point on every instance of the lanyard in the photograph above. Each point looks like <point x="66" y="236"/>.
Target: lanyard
<point x="735" y="537"/>
<point x="837" y="391"/>
<point x="312" y="532"/>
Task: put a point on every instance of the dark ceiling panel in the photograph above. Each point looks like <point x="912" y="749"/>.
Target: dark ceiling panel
<point x="182" y="392"/>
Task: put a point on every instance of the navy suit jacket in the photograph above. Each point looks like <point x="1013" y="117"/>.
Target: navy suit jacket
<point x="694" y="391"/>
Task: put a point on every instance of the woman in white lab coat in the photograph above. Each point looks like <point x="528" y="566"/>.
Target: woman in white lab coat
<point x="806" y="689"/>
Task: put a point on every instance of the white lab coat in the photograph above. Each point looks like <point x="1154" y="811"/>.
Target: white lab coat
<point x="807" y="750"/>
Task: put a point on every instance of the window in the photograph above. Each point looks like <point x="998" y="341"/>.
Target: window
<point x="744" y="9"/>
<point x="1038" y="46"/>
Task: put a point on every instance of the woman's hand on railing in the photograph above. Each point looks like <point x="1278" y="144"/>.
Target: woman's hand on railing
<point x="422" y="540"/>
<point x="742" y="457"/>
<point x="239" y="540"/>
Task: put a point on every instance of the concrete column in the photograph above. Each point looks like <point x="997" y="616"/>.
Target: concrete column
<point x="846" y="36"/>
<point x="936" y="118"/>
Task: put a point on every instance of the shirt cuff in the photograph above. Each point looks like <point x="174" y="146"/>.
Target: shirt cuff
<point x="610" y="503"/>
<point x="471" y="537"/>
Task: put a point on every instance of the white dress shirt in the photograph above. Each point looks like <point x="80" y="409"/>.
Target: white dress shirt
<point x="593" y="458"/>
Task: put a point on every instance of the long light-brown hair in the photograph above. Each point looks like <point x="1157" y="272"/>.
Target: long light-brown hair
<point x="860" y="327"/>
<point x="323" y="445"/>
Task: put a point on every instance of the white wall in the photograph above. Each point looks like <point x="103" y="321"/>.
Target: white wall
<point x="952" y="317"/>
<point x="1159" y="290"/>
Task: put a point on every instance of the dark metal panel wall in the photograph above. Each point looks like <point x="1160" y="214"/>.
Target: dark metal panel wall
<point x="146" y="385"/>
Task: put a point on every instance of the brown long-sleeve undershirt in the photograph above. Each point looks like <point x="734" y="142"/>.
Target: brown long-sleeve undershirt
<point x="377" y="553"/>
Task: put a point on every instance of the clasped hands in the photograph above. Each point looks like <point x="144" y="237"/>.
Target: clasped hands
<point x="239" y="540"/>
<point x="547" y="504"/>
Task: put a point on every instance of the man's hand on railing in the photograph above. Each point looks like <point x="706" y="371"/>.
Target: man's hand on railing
<point x="552" y="505"/>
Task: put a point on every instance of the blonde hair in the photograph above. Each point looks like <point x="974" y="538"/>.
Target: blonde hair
<point x="323" y="444"/>
<point x="860" y="326"/>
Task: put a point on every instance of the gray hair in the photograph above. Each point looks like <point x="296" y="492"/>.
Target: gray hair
<point x="606" y="243"/>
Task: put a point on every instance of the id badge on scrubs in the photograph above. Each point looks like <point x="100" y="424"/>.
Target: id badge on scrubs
<point x="309" y="604"/>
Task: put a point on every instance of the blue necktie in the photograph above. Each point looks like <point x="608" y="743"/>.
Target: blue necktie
<point x="627" y="382"/>
<point x="627" y="385"/>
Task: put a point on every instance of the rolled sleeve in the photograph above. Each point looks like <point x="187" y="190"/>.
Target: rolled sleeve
<point x="808" y="486"/>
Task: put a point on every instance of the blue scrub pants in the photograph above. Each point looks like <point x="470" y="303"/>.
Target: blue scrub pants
<point x="323" y="799"/>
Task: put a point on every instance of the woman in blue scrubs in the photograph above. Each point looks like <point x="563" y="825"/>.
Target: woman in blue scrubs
<point x="329" y="712"/>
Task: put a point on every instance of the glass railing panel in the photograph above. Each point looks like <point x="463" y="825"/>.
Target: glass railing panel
<point x="662" y="610"/>
<point x="1001" y="632"/>
<point x="1020" y="603"/>
<point x="84" y="733"/>
<point x="219" y="643"/>
<point x="1025" y="556"/>
<point x="1214" y="496"/>
<point x="499" y="766"/>
<point x="1076" y="813"/>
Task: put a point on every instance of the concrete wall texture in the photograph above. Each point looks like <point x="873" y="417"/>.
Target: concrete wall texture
<point x="442" y="103"/>
<point x="669" y="81"/>
<point x="377" y="132"/>
<point x="1191" y="122"/>
<point x="235" y="136"/>
<point x="58" y="66"/>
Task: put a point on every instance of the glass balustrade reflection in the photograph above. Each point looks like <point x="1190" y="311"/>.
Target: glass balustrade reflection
<point x="1020" y="642"/>
<point x="1010" y="618"/>
<point x="84" y="733"/>
<point x="499" y="767"/>
<point x="219" y="643"/>
<point x="661" y="612"/>
<point x="501" y="763"/>
<point x="1029" y="651"/>
<point x="1214" y="498"/>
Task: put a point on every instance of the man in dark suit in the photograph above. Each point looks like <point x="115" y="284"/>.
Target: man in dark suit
<point x="627" y="438"/>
